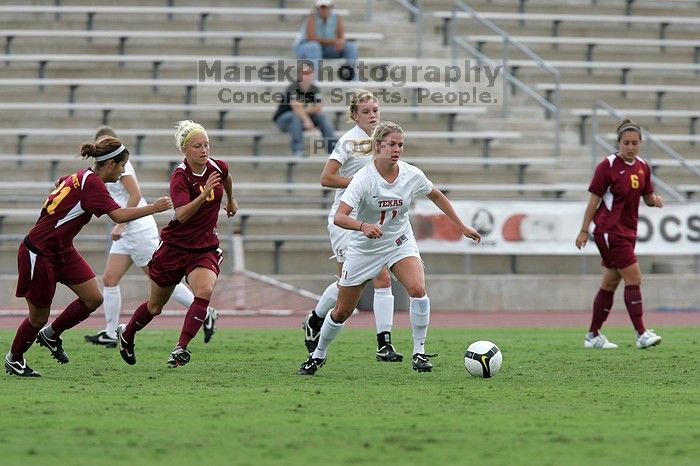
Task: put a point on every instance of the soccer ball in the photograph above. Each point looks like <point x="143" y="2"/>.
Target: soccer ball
<point x="483" y="359"/>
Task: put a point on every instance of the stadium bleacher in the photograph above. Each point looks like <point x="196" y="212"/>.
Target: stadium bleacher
<point x="58" y="90"/>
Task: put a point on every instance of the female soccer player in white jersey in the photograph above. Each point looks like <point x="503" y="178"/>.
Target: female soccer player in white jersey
<point x="340" y="167"/>
<point x="382" y="193"/>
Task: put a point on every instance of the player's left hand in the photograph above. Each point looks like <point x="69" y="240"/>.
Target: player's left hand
<point x="231" y="208"/>
<point x="581" y="239"/>
<point x="118" y="231"/>
<point x="658" y="201"/>
<point x="471" y="233"/>
<point x="163" y="203"/>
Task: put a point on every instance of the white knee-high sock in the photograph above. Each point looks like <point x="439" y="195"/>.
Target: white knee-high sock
<point x="112" y="305"/>
<point x="383" y="309"/>
<point x="420" y="318"/>
<point x="329" y="330"/>
<point x="183" y="295"/>
<point x="327" y="301"/>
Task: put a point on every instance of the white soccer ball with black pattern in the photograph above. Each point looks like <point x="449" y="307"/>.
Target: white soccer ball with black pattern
<point x="483" y="359"/>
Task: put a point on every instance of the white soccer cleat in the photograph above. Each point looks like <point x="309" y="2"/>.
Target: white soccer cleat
<point x="599" y="342"/>
<point x="210" y="323"/>
<point x="648" y="339"/>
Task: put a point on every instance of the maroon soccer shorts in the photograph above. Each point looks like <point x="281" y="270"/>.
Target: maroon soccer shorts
<point x="616" y="251"/>
<point x="38" y="275"/>
<point x="170" y="263"/>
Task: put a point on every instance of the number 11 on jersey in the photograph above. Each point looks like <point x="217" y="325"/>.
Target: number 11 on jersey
<point x="382" y="215"/>
<point x="56" y="197"/>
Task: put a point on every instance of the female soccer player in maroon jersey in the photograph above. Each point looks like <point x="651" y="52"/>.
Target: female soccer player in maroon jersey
<point x="47" y="256"/>
<point x="618" y="183"/>
<point x="189" y="243"/>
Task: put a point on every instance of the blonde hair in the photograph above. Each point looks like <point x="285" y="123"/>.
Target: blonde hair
<point x="383" y="129"/>
<point x="184" y="130"/>
<point x="628" y="125"/>
<point x="359" y="96"/>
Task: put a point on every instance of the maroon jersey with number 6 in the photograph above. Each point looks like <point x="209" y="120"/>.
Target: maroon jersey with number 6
<point x="67" y="209"/>
<point x="620" y="185"/>
<point x="199" y="232"/>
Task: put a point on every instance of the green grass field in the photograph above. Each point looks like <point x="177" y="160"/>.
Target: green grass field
<point x="240" y="402"/>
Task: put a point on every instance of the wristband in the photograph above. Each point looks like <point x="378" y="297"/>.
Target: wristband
<point x="584" y="231"/>
<point x="361" y="224"/>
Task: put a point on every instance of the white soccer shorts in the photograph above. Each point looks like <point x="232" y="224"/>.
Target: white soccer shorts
<point x="358" y="268"/>
<point x="139" y="245"/>
<point x="340" y="238"/>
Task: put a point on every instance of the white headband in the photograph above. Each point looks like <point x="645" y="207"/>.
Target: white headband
<point x="114" y="153"/>
<point x="627" y="128"/>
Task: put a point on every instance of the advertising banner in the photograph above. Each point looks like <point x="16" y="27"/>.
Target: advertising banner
<point x="548" y="227"/>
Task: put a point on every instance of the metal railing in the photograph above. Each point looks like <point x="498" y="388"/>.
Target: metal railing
<point x="598" y="139"/>
<point x="552" y="109"/>
<point x="415" y="8"/>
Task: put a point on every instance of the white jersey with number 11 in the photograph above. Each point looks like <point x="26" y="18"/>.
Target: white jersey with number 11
<point x="386" y="204"/>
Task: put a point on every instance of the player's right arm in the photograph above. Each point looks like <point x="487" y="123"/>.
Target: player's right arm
<point x="588" y="215"/>
<point x="330" y="177"/>
<point x="178" y="190"/>
<point x="132" y="187"/>
<point x="355" y="192"/>
<point x="343" y="220"/>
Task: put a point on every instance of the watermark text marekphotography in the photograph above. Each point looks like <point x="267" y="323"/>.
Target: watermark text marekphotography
<point x="426" y="82"/>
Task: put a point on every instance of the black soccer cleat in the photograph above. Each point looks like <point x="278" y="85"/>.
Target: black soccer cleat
<point x="102" y="339"/>
<point x="54" y="345"/>
<point x="209" y="323"/>
<point x="179" y="357"/>
<point x="421" y="362"/>
<point x="20" y="369"/>
<point x="311" y="366"/>
<point x="311" y="334"/>
<point x="388" y="353"/>
<point x="126" y="349"/>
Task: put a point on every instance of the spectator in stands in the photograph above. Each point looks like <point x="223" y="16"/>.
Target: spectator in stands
<point x="382" y="193"/>
<point x="301" y="110"/>
<point x="189" y="243"/>
<point x="47" y="255"/>
<point x="133" y="243"/>
<point x="340" y="167"/>
<point x="322" y="35"/>
<point x="617" y="185"/>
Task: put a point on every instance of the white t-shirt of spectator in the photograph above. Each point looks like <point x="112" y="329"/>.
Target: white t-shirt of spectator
<point x="350" y="162"/>
<point x="121" y="196"/>
<point x="386" y="204"/>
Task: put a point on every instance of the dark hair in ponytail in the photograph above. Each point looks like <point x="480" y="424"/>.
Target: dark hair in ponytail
<point x="102" y="147"/>
<point x="628" y="125"/>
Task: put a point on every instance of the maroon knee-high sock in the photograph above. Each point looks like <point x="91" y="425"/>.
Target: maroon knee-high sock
<point x="71" y="316"/>
<point x="26" y="334"/>
<point x="601" y="309"/>
<point x="633" y="301"/>
<point x="138" y="321"/>
<point x="193" y="321"/>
